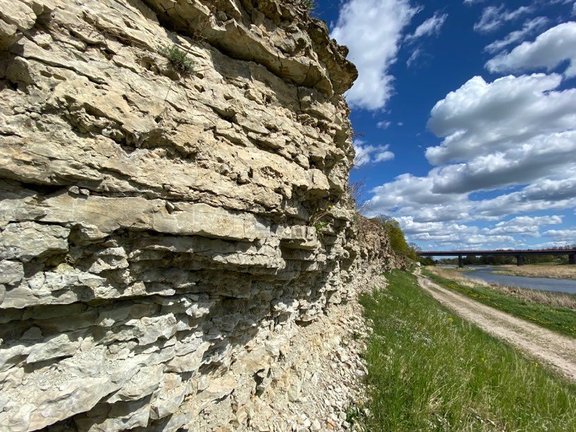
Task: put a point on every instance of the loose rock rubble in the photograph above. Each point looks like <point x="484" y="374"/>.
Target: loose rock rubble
<point x="178" y="248"/>
<point x="314" y="385"/>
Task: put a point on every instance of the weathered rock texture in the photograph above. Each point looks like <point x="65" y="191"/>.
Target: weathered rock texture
<point x="167" y="238"/>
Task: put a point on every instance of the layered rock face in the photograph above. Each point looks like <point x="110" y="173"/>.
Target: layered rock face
<point x="167" y="226"/>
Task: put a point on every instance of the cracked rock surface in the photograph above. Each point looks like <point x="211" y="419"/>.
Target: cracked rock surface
<point x="178" y="248"/>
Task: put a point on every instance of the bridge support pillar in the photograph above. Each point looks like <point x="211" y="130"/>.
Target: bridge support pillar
<point x="519" y="260"/>
<point x="460" y="261"/>
<point x="572" y="259"/>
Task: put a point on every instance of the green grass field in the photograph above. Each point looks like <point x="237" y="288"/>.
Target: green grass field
<point x="431" y="371"/>
<point x="559" y="319"/>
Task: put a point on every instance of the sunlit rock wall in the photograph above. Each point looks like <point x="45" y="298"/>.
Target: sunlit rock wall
<point x="165" y="233"/>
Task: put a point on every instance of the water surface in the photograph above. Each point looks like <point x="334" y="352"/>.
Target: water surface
<point x="545" y="284"/>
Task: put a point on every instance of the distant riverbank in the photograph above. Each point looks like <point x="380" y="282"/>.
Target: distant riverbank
<point x="495" y="275"/>
<point x="553" y="271"/>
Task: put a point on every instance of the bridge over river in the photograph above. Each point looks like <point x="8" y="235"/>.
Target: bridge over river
<point x="519" y="254"/>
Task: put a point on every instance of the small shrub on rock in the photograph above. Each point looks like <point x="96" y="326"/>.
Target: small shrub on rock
<point x="178" y="59"/>
<point x="309" y="4"/>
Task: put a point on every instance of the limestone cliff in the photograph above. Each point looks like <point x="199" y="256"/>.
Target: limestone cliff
<point x="173" y="212"/>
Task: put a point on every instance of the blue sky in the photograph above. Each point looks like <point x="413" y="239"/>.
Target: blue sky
<point x="464" y="115"/>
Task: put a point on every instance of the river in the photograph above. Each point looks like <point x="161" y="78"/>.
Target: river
<point x="545" y="284"/>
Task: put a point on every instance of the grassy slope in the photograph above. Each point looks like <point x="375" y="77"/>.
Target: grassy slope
<point x="561" y="320"/>
<point x="431" y="371"/>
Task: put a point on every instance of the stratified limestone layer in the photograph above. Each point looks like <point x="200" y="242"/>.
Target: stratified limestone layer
<point x="165" y="234"/>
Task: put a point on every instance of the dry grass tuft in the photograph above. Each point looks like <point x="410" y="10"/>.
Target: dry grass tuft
<point x="553" y="271"/>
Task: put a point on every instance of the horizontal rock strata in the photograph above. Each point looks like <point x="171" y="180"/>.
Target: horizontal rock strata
<point x="168" y="225"/>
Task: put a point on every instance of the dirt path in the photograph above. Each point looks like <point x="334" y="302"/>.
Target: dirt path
<point x="554" y="349"/>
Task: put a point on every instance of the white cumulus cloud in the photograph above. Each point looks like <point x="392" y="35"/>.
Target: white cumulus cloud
<point x="482" y="118"/>
<point x="514" y="137"/>
<point x="540" y="195"/>
<point x="548" y="51"/>
<point x="524" y="225"/>
<point x="507" y="147"/>
<point x="441" y="235"/>
<point x="541" y="156"/>
<point x="567" y="235"/>
<point x="372" y="30"/>
<point x="367" y="154"/>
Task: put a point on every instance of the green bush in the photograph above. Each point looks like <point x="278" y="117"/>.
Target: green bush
<point x="178" y="58"/>
<point x="397" y="240"/>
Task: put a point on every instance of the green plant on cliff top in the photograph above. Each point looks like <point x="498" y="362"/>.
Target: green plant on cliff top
<point x="310" y="5"/>
<point x="178" y="58"/>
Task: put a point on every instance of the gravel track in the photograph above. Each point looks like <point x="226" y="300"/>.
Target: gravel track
<point x="551" y="348"/>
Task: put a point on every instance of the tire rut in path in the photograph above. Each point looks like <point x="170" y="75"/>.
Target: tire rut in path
<point x="551" y="348"/>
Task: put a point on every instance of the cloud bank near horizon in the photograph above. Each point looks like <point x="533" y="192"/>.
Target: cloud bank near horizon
<point x="507" y="149"/>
